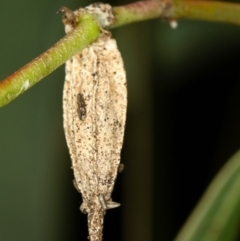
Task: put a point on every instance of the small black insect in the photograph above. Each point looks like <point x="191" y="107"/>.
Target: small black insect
<point x="82" y="111"/>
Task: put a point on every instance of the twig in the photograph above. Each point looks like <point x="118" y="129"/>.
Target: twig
<point x="87" y="31"/>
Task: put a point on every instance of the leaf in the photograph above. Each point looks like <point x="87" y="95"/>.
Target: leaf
<point x="217" y="215"/>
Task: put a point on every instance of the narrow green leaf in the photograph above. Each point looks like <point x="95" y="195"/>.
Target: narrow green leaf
<point x="217" y="216"/>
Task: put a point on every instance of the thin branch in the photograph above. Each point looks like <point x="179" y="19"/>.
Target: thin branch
<point x="140" y="11"/>
<point x="206" y="10"/>
<point x="88" y="31"/>
<point x="17" y="83"/>
<point x="177" y="9"/>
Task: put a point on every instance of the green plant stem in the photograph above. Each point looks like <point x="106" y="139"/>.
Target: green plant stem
<point x="177" y="9"/>
<point x="17" y="83"/>
<point x="206" y="10"/>
<point x="140" y="11"/>
<point x="88" y="31"/>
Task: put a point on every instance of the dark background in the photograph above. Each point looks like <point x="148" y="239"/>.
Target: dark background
<point x="182" y="126"/>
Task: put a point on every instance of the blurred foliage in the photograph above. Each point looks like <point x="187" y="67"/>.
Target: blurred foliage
<point x="182" y="126"/>
<point x="217" y="216"/>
